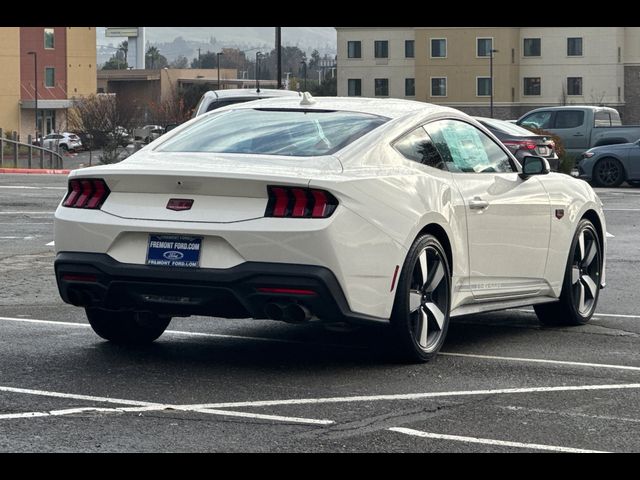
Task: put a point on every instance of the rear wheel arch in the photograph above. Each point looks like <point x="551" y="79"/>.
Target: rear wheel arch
<point x="593" y="217"/>
<point x="442" y="236"/>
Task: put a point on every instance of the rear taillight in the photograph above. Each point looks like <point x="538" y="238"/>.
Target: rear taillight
<point x="515" y="145"/>
<point x="86" y="193"/>
<point x="298" y="202"/>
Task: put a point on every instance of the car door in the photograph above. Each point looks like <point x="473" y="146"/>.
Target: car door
<point x="508" y="218"/>
<point x="571" y="126"/>
<point x="47" y="142"/>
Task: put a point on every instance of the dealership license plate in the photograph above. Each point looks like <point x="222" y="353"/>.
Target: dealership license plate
<point x="174" y="251"/>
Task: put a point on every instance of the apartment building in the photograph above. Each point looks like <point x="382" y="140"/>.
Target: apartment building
<point x="63" y="59"/>
<point x="528" y="67"/>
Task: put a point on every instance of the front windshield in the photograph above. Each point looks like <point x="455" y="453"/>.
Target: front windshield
<point x="301" y="133"/>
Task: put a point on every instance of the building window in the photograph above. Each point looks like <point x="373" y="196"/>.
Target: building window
<point x="532" y="86"/>
<point x="409" y="48"/>
<point x="382" y="87"/>
<point x="354" y="49"/>
<point x="438" y="48"/>
<point x="49" y="77"/>
<point x="532" y="47"/>
<point x="381" y="49"/>
<point x="574" y="86"/>
<point x="409" y="87"/>
<point x="483" y="86"/>
<point x="49" y="38"/>
<point x="484" y="47"/>
<point x="354" y="87"/>
<point x="574" y="47"/>
<point x="438" y="86"/>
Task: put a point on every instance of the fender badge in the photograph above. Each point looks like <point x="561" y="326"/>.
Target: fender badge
<point x="559" y="213"/>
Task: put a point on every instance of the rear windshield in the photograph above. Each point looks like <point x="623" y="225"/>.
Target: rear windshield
<point x="506" y="127"/>
<point x="302" y="133"/>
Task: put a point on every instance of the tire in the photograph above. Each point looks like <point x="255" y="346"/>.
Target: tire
<point x="126" y="327"/>
<point x="423" y="299"/>
<point x="64" y="147"/>
<point x="581" y="284"/>
<point x="608" y="172"/>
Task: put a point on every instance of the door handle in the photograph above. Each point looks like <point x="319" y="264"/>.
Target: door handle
<point x="578" y="134"/>
<point x="478" y="204"/>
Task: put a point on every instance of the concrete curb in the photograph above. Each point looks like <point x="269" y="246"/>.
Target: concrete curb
<point x="47" y="171"/>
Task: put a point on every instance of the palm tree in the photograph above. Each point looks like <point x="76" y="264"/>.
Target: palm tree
<point x="152" y="57"/>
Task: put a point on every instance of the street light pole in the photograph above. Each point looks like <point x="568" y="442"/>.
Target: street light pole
<point x="258" y="71"/>
<point x="218" y="55"/>
<point x="304" y="64"/>
<point x="491" y="52"/>
<point x="35" y="74"/>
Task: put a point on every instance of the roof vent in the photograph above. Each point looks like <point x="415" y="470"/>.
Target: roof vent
<point x="307" y="99"/>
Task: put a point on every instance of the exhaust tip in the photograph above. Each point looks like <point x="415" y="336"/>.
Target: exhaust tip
<point x="274" y="311"/>
<point x="295" y="313"/>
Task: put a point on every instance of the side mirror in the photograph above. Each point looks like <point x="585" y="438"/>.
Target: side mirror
<point x="534" y="166"/>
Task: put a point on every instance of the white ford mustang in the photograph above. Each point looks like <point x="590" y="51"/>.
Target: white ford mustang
<point x="338" y="209"/>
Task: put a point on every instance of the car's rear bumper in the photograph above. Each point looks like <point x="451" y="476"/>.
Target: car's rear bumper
<point x="97" y="280"/>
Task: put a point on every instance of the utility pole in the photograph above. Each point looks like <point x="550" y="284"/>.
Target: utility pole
<point x="258" y="71"/>
<point x="35" y="74"/>
<point x="199" y="61"/>
<point x="491" y="52"/>
<point x="279" y="55"/>
<point x="218" y="55"/>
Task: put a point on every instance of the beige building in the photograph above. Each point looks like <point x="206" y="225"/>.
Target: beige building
<point x="54" y="65"/>
<point x="530" y="67"/>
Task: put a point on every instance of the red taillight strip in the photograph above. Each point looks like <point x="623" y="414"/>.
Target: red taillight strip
<point x="86" y="193"/>
<point x="286" y="291"/>
<point x="74" y="192"/>
<point x="299" y="202"/>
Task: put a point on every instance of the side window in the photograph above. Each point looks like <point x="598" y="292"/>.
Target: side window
<point x="569" y="118"/>
<point x="602" y="119"/>
<point x="417" y="146"/>
<point x="467" y="149"/>
<point x="538" y="120"/>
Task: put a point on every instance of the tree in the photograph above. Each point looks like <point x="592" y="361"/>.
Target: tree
<point x="106" y="120"/>
<point x="314" y="63"/>
<point x="173" y="110"/>
<point x="328" y="88"/>
<point x="118" y="60"/>
<point x="180" y="62"/>
<point x="207" y="60"/>
<point x="154" y="59"/>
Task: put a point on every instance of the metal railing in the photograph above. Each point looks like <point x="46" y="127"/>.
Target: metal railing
<point x="16" y="157"/>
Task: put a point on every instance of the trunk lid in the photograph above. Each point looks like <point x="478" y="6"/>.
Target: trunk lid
<point x="224" y="188"/>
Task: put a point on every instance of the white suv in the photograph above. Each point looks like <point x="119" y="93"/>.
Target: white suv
<point x="214" y="99"/>
<point x="65" y="141"/>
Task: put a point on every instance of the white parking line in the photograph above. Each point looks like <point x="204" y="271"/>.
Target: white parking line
<point x="417" y="396"/>
<point x="621" y="209"/>
<point x="15" y="212"/>
<point x="73" y="396"/>
<point x="539" y="360"/>
<point x="190" y="334"/>
<point x="488" y="441"/>
<point x="23" y="187"/>
<point x="612" y="315"/>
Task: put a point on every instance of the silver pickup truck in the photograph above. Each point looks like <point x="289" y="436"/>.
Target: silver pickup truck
<point x="582" y="127"/>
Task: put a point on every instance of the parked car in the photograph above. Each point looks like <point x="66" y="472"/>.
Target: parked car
<point x="522" y="142"/>
<point x="582" y="127"/>
<point x="148" y="133"/>
<point x="65" y="141"/>
<point x="214" y="99"/>
<point x="386" y="211"/>
<point x="610" y="165"/>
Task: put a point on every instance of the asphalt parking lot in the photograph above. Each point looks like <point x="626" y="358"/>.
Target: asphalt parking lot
<point x="502" y="384"/>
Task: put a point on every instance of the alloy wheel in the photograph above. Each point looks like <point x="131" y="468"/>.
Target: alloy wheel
<point x="428" y="299"/>
<point x="585" y="272"/>
<point x="608" y="171"/>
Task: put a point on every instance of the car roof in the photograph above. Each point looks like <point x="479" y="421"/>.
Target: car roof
<point x="385" y="107"/>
